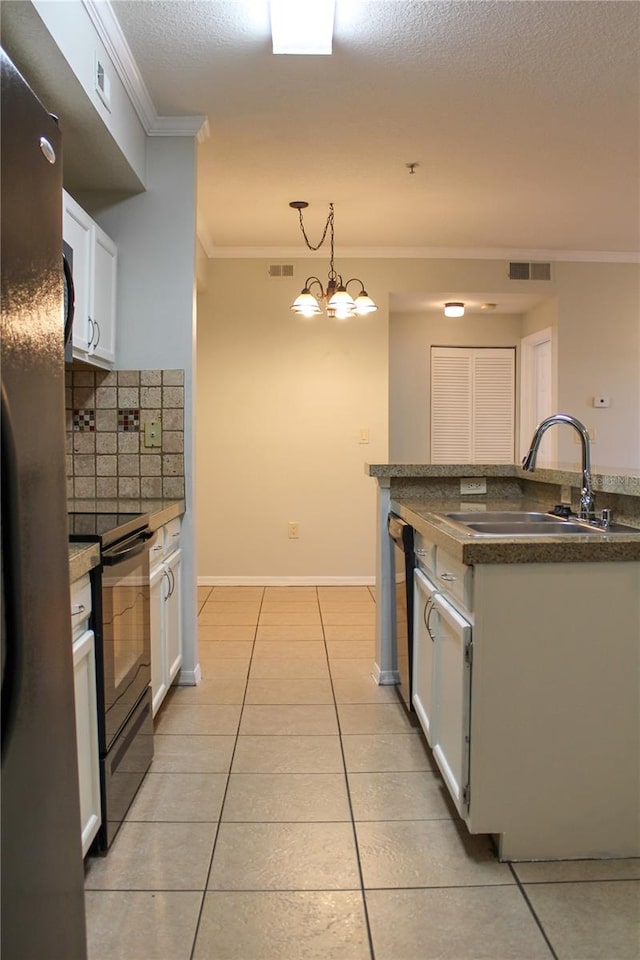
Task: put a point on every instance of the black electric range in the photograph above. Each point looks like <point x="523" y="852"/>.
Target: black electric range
<point x="122" y="623"/>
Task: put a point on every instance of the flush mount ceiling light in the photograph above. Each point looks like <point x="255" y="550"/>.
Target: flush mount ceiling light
<point x="454" y="309"/>
<point x="335" y="298"/>
<point x="302" y="27"/>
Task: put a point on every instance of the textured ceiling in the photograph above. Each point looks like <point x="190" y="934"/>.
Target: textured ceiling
<point x="522" y="116"/>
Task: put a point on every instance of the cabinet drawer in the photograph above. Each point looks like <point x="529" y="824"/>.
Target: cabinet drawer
<point x="171" y="533"/>
<point x="80" y="595"/>
<point x="425" y="551"/>
<point x="454" y="579"/>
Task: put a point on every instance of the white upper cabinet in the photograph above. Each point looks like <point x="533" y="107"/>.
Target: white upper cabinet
<point x="94" y="277"/>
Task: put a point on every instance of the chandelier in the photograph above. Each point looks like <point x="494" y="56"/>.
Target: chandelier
<point x="335" y="297"/>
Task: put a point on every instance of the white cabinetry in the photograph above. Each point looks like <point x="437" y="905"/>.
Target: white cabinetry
<point x="166" y="613"/>
<point x="94" y="278"/>
<point x="442" y="685"/>
<point x="523" y="674"/>
<point x="84" y="676"/>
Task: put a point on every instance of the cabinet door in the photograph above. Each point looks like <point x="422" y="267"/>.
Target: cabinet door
<point x="84" y="677"/>
<point x="76" y="230"/>
<point x="173" y="619"/>
<point x="423" y="697"/>
<point x="452" y="640"/>
<point x="158" y="590"/>
<point x="103" y="312"/>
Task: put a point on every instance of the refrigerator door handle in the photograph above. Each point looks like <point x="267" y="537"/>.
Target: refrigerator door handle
<point x="70" y="297"/>
<point x="11" y="589"/>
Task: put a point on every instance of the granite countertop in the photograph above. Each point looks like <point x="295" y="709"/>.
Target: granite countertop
<point x="426" y="517"/>
<point x="605" y="480"/>
<point x="83" y="557"/>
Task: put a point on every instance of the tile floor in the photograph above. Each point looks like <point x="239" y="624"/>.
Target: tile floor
<point x="293" y="812"/>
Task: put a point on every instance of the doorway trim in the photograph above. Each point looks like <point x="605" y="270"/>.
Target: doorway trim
<point x="528" y="388"/>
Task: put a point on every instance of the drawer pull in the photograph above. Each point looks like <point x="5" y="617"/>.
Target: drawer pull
<point x="158" y="547"/>
<point x="78" y="609"/>
<point x="419" y="552"/>
<point x="449" y="577"/>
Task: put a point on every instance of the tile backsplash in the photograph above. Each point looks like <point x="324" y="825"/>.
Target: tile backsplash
<point x="106" y="413"/>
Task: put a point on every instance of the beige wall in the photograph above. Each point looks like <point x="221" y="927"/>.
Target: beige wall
<point x="599" y="353"/>
<point x="281" y="400"/>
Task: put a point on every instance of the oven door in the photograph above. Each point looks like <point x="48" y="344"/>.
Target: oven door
<point x="126" y="630"/>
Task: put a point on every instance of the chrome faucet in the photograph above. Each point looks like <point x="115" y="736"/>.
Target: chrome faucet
<point x="529" y="462"/>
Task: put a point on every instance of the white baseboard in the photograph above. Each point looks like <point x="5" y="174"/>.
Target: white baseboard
<point x="286" y="581"/>
<point x="384" y="677"/>
<point x="189" y="678"/>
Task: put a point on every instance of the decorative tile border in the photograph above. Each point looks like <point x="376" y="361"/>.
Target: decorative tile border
<point x="106" y="415"/>
<point x="84" y="420"/>
<point x="129" y="420"/>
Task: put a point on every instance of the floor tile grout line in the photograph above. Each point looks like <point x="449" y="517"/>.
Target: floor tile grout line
<point x="535" y="916"/>
<point x="224" y="794"/>
<point x="350" y="803"/>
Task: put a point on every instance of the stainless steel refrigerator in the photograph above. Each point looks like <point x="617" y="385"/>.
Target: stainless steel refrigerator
<point x="42" y="871"/>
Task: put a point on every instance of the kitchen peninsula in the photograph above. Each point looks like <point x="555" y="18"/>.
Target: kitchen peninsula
<point x="531" y="703"/>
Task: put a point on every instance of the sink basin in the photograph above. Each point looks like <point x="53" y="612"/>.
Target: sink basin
<point x="502" y="516"/>
<point x="530" y="528"/>
<point x="521" y="523"/>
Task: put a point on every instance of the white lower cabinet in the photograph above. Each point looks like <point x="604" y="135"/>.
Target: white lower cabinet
<point x="84" y="681"/>
<point x="526" y="686"/>
<point x="166" y="612"/>
<point x="442" y="687"/>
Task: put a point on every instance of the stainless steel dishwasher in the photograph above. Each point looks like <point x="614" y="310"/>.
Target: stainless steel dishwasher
<point x="401" y="534"/>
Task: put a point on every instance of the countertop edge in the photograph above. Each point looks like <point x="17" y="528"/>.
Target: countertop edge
<point x="472" y="551"/>
<point x="83" y="557"/>
<point x="610" y="481"/>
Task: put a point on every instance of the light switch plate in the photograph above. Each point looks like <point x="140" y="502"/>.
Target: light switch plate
<point x="153" y="433"/>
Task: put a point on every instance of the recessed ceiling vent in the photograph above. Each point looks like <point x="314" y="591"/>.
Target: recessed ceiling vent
<point x="280" y="270"/>
<point x="529" y="271"/>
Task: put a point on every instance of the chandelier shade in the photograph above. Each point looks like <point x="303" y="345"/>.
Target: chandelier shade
<point x="334" y="297"/>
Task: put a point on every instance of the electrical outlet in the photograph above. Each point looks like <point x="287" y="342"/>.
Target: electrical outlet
<point x="294" y="530"/>
<point x="153" y="433"/>
<point x="473" y="485"/>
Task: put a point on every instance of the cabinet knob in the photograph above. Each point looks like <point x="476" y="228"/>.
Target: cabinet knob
<point x="420" y="552"/>
<point x="449" y="577"/>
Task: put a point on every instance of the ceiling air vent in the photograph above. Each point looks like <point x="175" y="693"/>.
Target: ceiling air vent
<point x="280" y="270"/>
<point x="529" y="271"/>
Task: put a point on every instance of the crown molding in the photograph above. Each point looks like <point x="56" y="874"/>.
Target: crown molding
<point x="107" y="27"/>
<point x="420" y="253"/>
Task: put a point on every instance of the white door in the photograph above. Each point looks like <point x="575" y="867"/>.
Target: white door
<point x="424" y="592"/>
<point x="472" y="404"/>
<point x="536" y="393"/>
<point x="173" y="617"/>
<point x="452" y="641"/>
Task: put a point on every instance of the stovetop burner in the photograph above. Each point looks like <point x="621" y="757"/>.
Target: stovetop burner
<point x="106" y="528"/>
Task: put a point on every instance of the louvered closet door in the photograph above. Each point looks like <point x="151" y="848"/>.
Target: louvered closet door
<point x="472" y="405"/>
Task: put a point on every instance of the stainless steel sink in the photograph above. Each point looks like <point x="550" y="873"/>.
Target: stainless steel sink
<point x="502" y="516"/>
<point x="531" y="529"/>
<point x="516" y="523"/>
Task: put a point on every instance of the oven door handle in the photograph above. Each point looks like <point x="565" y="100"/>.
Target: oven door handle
<point x="131" y="549"/>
